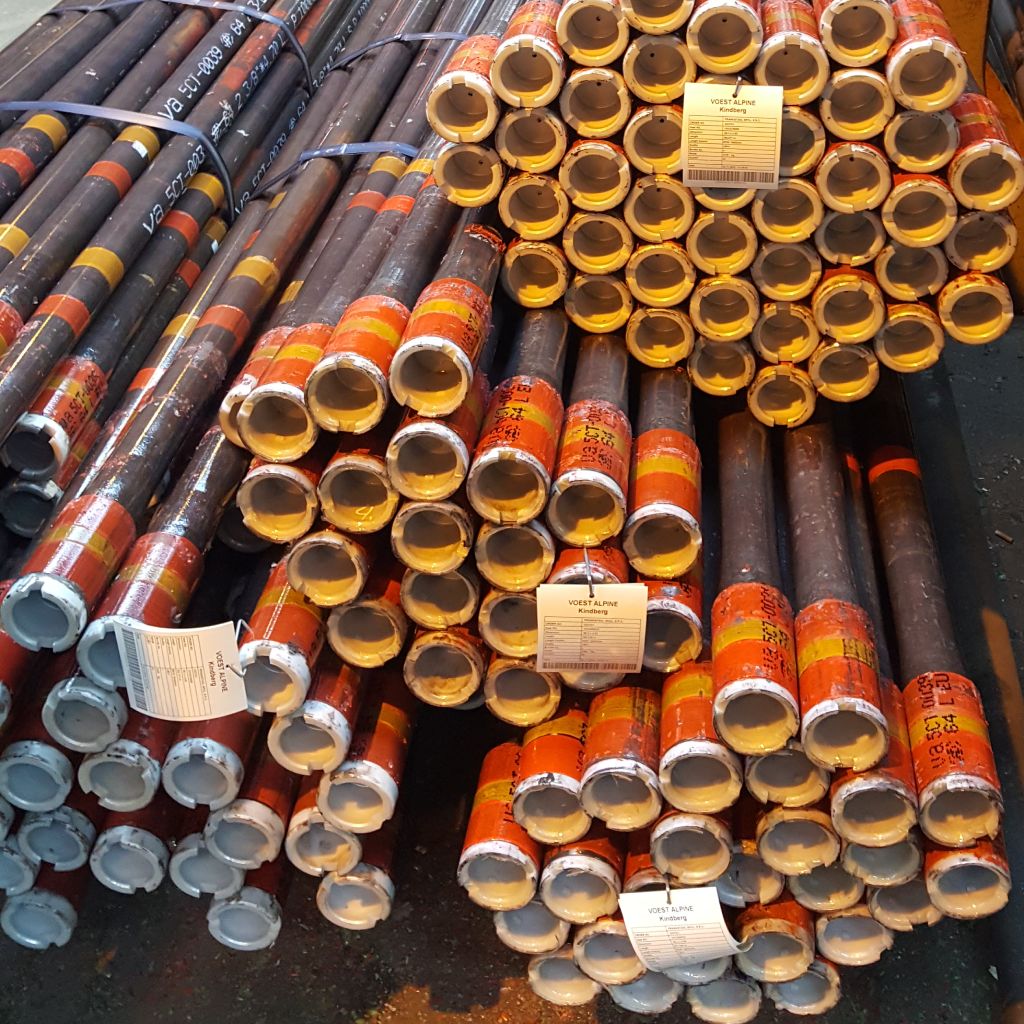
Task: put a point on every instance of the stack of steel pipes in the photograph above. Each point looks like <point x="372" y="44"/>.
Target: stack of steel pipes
<point x="126" y="302"/>
<point x="886" y="231"/>
<point x="429" y="458"/>
<point x="780" y="761"/>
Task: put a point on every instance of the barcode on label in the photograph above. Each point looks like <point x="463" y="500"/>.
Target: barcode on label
<point x="134" y="670"/>
<point x="591" y="666"/>
<point x="695" y="174"/>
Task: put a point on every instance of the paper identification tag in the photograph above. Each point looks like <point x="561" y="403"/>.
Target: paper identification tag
<point x="603" y="633"/>
<point x="184" y="675"/>
<point x="689" y="930"/>
<point x="732" y="138"/>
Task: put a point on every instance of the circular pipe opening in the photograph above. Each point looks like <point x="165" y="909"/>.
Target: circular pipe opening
<point x="463" y="108"/>
<point x="597" y="243"/>
<point x="651" y="993"/>
<point x="790" y="213"/>
<point x="664" y="545"/>
<point x="853" y="178"/>
<point x="853" y="939"/>
<point x="728" y="1000"/>
<point x="721" y="368"/>
<point x="534" y="274"/>
<point x="673" y="638"/>
<point x="427" y="462"/>
<point x="595" y="176"/>
<point x="277" y="504"/>
<point x="782" y="396"/>
<point x="797" y="64"/>
<point x="658" y="208"/>
<point x="826" y="888"/>
<point x="774" y="956"/>
<point x="857" y="104"/>
<point x="556" y="979"/>
<point x="551" y="813"/>
<point x="514" y="558"/>
<point x="365" y="633"/>
<point x="305" y="746"/>
<point x="531" y="929"/>
<point x="578" y="894"/>
<point x="657" y="68"/>
<point x="956" y="817"/>
<point x="844" y="373"/>
<point x="624" y="796"/>
<point x="921" y="142"/>
<point x="440" y="673"/>
<point x="969" y="890"/>
<point x="920" y="215"/>
<point x="434" y="602"/>
<point x="276" y="425"/>
<point x="785" y="333"/>
<point x="787" y="777"/>
<point x="469" y="175"/>
<point x="910" y="274"/>
<point x="430" y="538"/>
<point x="497" y="881"/>
<point x="724" y="40"/>
<point x="598" y="303"/>
<point x="324" y="568"/>
<point x="519" y="694"/>
<point x="357" y="496"/>
<point x="508" y="623"/>
<point x="651" y="139"/>
<point x="753" y="721"/>
<point x="690" y="852"/>
<point x="873" y="815"/>
<point x="850" y="238"/>
<point x="902" y="907"/>
<point x="858" y="32"/>
<point x="660" y="274"/>
<point x="592" y="32"/>
<point x="722" y="243"/>
<point x="748" y="880"/>
<point x="802" y="142"/>
<point x="927" y="74"/>
<point x="531" y="140"/>
<point x="724" y="309"/>
<point x="603" y="952"/>
<point x="795" y="846"/>
<point x="699" y="780"/>
<point x="786" y="272"/>
<point x="846" y="738"/>
<point x="594" y="102"/>
<point x="883" y="865"/>
<point x="981" y="241"/>
<point x="534" y="206"/>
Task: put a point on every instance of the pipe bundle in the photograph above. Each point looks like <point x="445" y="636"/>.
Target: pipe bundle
<point x="885" y="235"/>
<point x="783" y="758"/>
<point x="421" y="458"/>
<point x="138" y="351"/>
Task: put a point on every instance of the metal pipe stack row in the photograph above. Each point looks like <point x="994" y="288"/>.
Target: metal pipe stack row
<point x="781" y="762"/>
<point x="885" y="235"/>
<point x="430" y="458"/>
<point x="97" y="785"/>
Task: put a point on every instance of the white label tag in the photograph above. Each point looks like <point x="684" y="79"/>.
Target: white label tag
<point x="603" y="633"/>
<point x="184" y="675"/>
<point x="689" y="930"/>
<point x="731" y="141"/>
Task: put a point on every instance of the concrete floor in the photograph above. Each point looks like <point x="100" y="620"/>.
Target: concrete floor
<point x="150" y="958"/>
